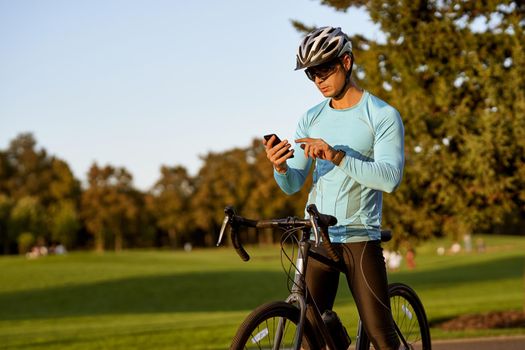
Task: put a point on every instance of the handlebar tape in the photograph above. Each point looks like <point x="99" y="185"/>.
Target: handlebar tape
<point x="332" y="253"/>
<point x="386" y="236"/>
<point x="234" y="224"/>
<point x="238" y="245"/>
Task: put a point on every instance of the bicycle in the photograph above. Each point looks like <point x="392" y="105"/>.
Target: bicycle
<point x="284" y="325"/>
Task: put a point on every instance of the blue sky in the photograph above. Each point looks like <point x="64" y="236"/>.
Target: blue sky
<point x="144" y="83"/>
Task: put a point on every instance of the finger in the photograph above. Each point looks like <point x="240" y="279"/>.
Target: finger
<point x="282" y="145"/>
<point x="272" y="149"/>
<point x="307" y="149"/>
<point x="304" y="139"/>
<point x="270" y="152"/>
<point x="315" y="151"/>
<point x="286" y="156"/>
<point x="271" y="140"/>
<point x="282" y="151"/>
<point x="319" y="150"/>
<point x="283" y="142"/>
<point x="312" y="152"/>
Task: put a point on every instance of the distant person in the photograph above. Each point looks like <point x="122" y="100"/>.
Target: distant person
<point x="455" y="248"/>
<point x="394" y="261"/>
<point x="60" y="249"/>
<point x="356" y="141"/>
<point x="411" y="258"/>
<point x="467" y="242"/>
<point x="480" y="245"/>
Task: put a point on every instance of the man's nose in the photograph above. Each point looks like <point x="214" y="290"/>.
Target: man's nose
<point x="318" y="79"/>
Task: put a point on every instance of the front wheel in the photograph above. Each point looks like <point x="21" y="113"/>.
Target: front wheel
<point x="409" y="316"/>
<point x="272" y="326"/>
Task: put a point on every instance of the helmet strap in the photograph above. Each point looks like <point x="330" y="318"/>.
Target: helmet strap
<point x="347" y="84"/>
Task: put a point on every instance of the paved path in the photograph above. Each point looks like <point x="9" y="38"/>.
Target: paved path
<point x="494" y="343"/>
<point x="497" y="343"/>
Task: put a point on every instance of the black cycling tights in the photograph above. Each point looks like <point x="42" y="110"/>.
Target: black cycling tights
<point x="368" y="283"/>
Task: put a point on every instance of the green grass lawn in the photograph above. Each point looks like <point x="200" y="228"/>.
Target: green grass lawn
<point x="178" y="300"/>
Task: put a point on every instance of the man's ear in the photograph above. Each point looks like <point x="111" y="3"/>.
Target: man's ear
<point x="347" y="61"/>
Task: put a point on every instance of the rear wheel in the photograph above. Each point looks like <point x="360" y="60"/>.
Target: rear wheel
<point x="409" y="317"/>
<point x="272" y="326"/>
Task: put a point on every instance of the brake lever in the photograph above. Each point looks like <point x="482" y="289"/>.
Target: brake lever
<point x="228" y="217"/>
<point x="315" y="229"/>
<point x="225" y="223"/>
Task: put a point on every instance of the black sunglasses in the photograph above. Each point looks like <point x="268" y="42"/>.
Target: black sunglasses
<point x="322" y="71"/>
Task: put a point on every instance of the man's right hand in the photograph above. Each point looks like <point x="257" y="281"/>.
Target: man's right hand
<point x="278" y="154"/>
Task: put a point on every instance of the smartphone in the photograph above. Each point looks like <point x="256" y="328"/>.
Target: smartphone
<point x="277" y="140"/>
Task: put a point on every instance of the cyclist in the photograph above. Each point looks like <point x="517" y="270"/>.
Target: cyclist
<point x="356" y="141"/>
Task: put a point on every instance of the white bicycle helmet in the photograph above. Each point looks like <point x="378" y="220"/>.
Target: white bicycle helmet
<point x="322" y="45"/>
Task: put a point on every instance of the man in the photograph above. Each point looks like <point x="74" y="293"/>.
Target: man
<point x="356" y="141"/>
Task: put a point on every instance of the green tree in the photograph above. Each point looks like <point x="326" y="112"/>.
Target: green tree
<point x="25" y="241"/>
<point x="110" y="207"/>
<point x="26" y="171"/>
<point x="5" y="172"/>
<point x="64" y="223"/>
<point x="171" y="202"/>
<point x="460" y="89"/>
<point x="27" y="216"/>
<point x="6" y="205"/>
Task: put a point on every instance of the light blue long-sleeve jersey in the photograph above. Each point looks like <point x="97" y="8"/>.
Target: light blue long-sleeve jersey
<point x="372" y="135"/>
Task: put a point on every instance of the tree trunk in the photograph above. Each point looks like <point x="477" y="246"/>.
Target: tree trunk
<point x="118" y="242"/>
<point x="99" y="242"/>
<point x="172" y="234"/>
<point x="5" y="239"/>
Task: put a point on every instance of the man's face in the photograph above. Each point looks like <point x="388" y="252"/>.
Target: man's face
<point x="330" y="77"/>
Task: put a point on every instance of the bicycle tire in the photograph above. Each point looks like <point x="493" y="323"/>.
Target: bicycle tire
<point x="405" y="304"/>
<point x="259" y="328"/>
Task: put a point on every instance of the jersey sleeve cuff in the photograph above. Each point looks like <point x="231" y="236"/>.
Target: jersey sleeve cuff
<point x="342" y="163"/>
<point x="278" y="174"/>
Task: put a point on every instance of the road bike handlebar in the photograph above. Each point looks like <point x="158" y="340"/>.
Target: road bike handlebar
<point x="318" y="222"/>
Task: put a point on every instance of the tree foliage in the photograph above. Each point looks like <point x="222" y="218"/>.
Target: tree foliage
<point x="32" y="183"/>
<point x="454" y="69"/>
<point x="64" y="223"/>
<point x="171" y="203"/>
<point x="28" y="171"/>
<point x="110" y="207"/>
